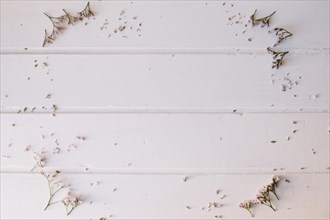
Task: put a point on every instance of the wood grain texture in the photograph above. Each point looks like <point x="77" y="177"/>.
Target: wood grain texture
<point x="165" y="83"/>
<point x="169" y="142"/>
<point x="181" y="92"/>
<point x="167" y="24"/>
<point x="166" y="197"/>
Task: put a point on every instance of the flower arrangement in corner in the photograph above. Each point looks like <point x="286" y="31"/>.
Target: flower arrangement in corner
<point x="281" y="34"/>
<point x="59" y="23"/>
<point x="56" y="185"/>
<point x="263" y="197"/>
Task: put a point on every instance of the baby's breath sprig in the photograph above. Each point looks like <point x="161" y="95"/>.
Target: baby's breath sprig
<point x="263" y="21"/>
<point x="59" y="23"/>
<point x="86" y="13"/>
<point x="71" y="202"/>
<point x="58" y="27"/>
<point x="282" y="34"/>
<point x="271" y="187"/>
<point x="71" y="19"/>
<point x="248" y="205"/>
<point x="40" y="159"/>
<point x="277" y="57"/>
<point x="53" y="186"/>
<point x="47" y="39"/>
<point x="264" y="198"/>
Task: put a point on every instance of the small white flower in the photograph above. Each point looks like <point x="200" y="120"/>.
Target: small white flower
<point x="40" y="159"/>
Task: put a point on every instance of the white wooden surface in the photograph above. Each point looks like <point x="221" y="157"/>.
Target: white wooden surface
<point x="182" y="97"/>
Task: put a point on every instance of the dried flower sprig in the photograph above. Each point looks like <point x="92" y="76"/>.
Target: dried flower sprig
<point x="248" y="205"/>
<point x="273" y="185"/>
<point x="59" y="23"/>
<point x="86" y="13"/>
<point x="264" y="198"/>
<point x="264" y="194"/>
<point x="71" y="202"/>
<point x="278" y="57"/>
<point x="282" y="34"/>
<point x="48" y="39"/>
<point x="53" y="186"/>
<point x="40" y="159"/>
<point x="213" y="205"/>
<point x="71" y="19"/>
<point x="263" y="21"/>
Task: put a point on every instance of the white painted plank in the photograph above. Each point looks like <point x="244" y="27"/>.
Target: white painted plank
<point x="166" y="197"/>
<point x="98" y="83"/>
<point x="170" y="143"/>
<point x="167" y="24"/>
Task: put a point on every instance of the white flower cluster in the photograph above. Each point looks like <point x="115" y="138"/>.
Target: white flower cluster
<point x="71" y="202"/>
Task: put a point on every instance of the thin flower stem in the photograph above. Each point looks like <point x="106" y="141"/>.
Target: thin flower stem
<point x="33" y="168"/>
<point x="264" y="20"/>
<point x="87" y="12"/>
<point x="250" y="212"/>
<point x="267" y="17"/>
<point x="72" y="19"/>
<point x="68" y="213"/>
<point x="55" y="202"/>
<point x="50" y="189"/>
<point x="270" y="205"/>
<point x="275" y="195"/>
<point x="48" y="16"/>
<point x="51" y="195"/>
<point x="48" y="203"/>
<point x="51" y="19"/>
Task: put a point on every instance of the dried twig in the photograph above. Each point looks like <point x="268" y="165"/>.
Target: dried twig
<point x="282" y="34"/>
<point x="263" y="21"/>
<point x="59" y="23"/>
<point x="277" y="57"/>
<point x="53" y="186"/>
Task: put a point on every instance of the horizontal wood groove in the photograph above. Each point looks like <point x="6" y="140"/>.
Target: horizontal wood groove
<point x="105" y="110"/>
<point x="164" y="0"/>
<point x="194" y="172"/>
<point x="74" y="51"/>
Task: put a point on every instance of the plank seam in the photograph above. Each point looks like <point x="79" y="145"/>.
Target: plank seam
<point x="155" y="51"/>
